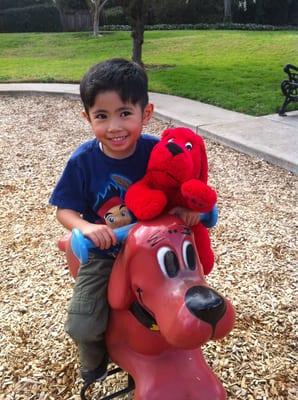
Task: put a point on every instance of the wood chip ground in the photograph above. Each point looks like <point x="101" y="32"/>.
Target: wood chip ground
<point x="254" y="243"/>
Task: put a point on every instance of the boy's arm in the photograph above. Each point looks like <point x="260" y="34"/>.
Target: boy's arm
<point x="101" y="235"/>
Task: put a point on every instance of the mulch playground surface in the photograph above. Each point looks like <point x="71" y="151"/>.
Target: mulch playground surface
<point x="254" y="243"/>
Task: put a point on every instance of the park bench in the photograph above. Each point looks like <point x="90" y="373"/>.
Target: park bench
<point x="289" y="87"/>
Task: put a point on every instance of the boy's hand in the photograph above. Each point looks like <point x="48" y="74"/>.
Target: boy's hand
<point x="189" y="217"/>
<point x="101" y="235"/>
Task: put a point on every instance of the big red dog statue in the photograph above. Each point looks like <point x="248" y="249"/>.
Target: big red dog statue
<point x="162" y="312"/>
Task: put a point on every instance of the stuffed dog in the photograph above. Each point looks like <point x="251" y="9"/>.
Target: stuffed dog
<point x="177" y="175"/>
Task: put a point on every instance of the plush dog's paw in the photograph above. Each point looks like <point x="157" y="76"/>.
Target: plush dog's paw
<point x="149" y="206"/>
<point x="198" y="195"/>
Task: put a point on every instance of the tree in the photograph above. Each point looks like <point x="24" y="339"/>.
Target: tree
<point x="135" y="10"/>
<point x="228" y="11"/>
<point x="96" y="7"/>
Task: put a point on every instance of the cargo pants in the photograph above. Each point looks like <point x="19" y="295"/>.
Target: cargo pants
<point x="88" y="310"/>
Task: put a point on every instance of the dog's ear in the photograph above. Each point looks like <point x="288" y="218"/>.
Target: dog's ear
<point x="167" y="132"/>
<point x="120" y="295"/>
<point x="204" y="161"/>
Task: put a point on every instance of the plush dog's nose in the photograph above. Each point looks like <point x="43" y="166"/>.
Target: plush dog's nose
<point x="174" y="148"/>
<point x="205" y="303"/>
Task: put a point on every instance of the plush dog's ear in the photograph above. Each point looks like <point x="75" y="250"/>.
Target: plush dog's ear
<point x="120" y="295"/>
<point x="167" y="132"/>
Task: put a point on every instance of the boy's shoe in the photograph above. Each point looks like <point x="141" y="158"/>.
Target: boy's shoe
<point x="96" y="375"/>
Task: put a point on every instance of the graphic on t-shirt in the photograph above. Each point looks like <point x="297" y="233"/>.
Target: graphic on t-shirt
<point x="110" y="205"/>
<point x="121" y="181"/>
<point x="114" y="213"/>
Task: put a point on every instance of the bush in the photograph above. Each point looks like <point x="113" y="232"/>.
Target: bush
<point x="164" y="27"/>
<point x="115" y="16"/>
<point x="6" y="4"/>
<point x="39" y="18"/>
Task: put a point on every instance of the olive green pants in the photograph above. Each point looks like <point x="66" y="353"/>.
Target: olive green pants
<point x="88" y="310"/>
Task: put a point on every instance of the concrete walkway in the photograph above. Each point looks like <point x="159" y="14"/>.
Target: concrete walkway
<point x="271" y="137"/>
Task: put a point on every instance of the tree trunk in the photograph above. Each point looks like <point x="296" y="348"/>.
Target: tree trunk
<point x="137" y="35"/>
<point x="96" y="18"/>
<point x="95" y="8"/>
<point x="136" y="10"/>
<point x="228" y="11"/>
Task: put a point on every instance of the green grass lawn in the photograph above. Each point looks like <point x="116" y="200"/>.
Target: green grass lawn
<point x="236" y="70"/>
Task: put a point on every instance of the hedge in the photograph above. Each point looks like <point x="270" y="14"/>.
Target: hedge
<point x="164" y="27"/>
<point x="39" y="18"/>
<point x="6" y="4"/>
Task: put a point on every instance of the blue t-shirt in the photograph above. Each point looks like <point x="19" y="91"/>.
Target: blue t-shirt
<point x="92" y="183"/>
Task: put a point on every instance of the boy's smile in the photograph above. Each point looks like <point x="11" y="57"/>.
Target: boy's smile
<point x="117" y="125"/>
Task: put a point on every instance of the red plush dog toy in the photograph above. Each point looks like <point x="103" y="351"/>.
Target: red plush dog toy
<point x="176" y="175"/>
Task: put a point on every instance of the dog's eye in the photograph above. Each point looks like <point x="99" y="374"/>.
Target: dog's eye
<point x="168" y="262"/>
<point x="189" y="255"/>
<point x="188" y="146"/>
<point x="171" y="140"/>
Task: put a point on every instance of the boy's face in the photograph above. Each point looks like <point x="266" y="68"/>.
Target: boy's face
<point x="117" y="125"/>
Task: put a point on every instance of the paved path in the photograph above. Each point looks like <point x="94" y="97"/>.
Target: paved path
<point x="271" y="137"/>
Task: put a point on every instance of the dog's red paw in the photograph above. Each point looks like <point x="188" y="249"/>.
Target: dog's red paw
<point x="149" y="206"/>
<point x="198" y="195"/>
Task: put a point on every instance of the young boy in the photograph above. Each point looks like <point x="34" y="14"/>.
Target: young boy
<point x="89" y="195"/>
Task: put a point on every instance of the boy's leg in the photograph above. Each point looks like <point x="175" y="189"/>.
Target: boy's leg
<point x="88" y="311"/>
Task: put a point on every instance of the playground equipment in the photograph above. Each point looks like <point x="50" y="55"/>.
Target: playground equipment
<point x="77" y="246"/>
<point x="162" y="312"/>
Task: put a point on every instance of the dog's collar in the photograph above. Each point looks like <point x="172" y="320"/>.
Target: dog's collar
<point x="143" y="316"/>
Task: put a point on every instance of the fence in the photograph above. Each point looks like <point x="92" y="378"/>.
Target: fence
<point x="76" y="21"/>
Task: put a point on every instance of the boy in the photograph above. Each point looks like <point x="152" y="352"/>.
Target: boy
<point x="89" y="195"/>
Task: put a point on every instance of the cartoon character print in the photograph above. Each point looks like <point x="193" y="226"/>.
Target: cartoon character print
<point x="118" y="216"/>
<point x="114" y="213"/>
<point x="111" y="208"/>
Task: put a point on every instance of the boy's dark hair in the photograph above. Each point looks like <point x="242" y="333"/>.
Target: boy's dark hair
<point x="125" y="77"/>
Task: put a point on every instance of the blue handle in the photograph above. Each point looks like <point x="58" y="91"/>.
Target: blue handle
<point x="81" y="245"/>
<point x="122" y="232"/>
<point x="210" y="219"/>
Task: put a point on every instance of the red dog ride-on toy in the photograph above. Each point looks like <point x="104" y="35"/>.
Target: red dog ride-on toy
<point x="162" y="312"/>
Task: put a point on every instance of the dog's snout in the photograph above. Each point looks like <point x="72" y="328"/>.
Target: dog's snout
<point x="174" y="148"/>
<point x="205" y="303"/>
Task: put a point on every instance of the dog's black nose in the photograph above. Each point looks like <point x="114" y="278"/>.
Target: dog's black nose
<point x="174" y="148"/>
<point x="205" y="303"/>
